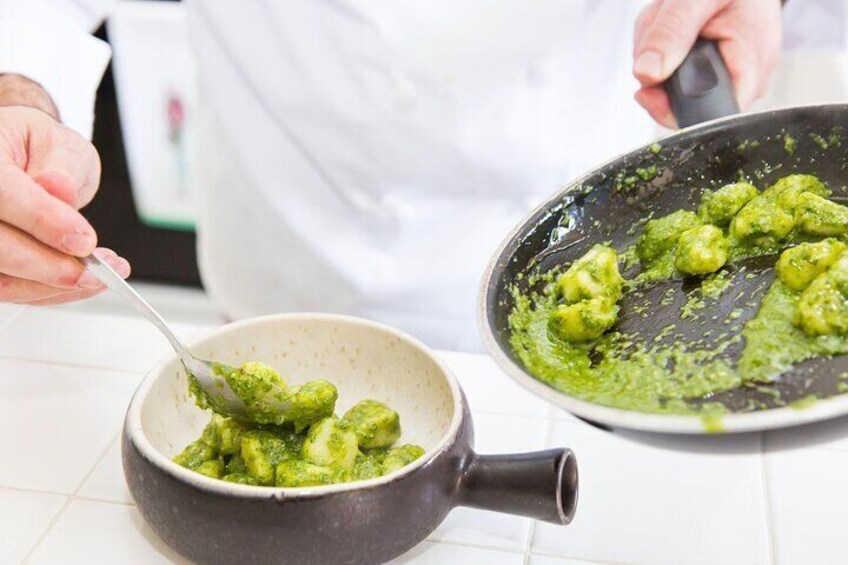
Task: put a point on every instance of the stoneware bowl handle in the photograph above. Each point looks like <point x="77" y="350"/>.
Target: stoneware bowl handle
<point x="540" y="485"/>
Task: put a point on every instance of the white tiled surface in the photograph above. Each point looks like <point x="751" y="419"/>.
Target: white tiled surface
<point x="430" y="553"/>
<point x="24" y="516"/>
<point x="662" y="500"/>
<point x="56" y="421"/>
<point x="106" y="482"/>
<point x="96" y="532"/>
<point x="548" y="560"/>
<point x="487" y="389"/>
<point x="185" y="305"/>
<point x="495" y="434"/>
<point x="66" y="378"/>
<point x="809" y="504"/>
<point x="128" y="344"/>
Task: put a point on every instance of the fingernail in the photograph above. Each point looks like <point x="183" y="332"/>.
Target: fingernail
<point x="121" y="266"/>
<point x="78" y="243"/>
<point x="87" y="280"/>
<point x="649" y="64"/>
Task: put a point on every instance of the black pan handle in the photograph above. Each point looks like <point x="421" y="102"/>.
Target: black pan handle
<point x="540" y="485"/>
<point x="700" y="89"/>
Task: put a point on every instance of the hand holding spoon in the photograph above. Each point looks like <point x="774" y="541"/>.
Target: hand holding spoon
<point x="209" y="374"/>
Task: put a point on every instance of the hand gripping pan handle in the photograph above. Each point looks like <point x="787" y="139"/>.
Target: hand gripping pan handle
<point x="700" y="89"/>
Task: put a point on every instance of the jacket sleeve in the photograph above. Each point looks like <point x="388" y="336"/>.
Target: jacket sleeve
<point x="50" y="42"/>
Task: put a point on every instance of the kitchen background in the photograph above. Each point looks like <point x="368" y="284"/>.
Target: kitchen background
<point x="144" y="132"/>
<point x="773" y="498"/>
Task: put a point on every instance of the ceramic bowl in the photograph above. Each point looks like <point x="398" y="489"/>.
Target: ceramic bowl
<point x="212" y="521"/>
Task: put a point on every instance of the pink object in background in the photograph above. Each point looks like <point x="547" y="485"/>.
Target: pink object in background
<point x="176" y="117"/>
<point x="156" y="86"/>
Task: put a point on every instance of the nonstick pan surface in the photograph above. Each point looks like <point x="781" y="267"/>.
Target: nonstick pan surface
<point x="610" y="203"/>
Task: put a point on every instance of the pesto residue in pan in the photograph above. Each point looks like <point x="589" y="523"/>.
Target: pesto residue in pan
<point x="566" y="333"/>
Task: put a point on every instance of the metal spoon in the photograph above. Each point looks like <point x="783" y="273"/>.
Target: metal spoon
<point x="209" y="374"/>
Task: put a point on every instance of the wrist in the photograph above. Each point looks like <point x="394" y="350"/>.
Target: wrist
<point x="17" y="90"/>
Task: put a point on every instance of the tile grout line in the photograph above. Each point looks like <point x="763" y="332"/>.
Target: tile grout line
<point x="492" y="547"/>
<point x="528" y="546"/>
<point x="28" y="490"/>
<point x="582" y="560"/>
<point x="46" y="531"/>
<point x="69" y="500"/>
<point x="770" y="538"/>
<point x="509" y="550"/>
<point x="841" y="450"/>
<point x="476" y="545"/>
<point x="84" y="498"/>
<point x="530" y="550"/>
<point x="531" y="532"/>
<point x="71" y="365"/>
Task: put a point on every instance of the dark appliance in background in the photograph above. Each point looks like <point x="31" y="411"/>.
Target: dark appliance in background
<point x="156" y="254"/>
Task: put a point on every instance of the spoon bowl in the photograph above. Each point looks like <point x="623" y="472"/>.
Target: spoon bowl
<point x="210" y="376"/>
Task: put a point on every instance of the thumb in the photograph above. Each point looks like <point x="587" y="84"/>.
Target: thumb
<point x="665" y="42"/>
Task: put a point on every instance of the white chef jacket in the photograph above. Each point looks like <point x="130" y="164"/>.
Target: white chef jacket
<point x="48" y="42"/>
<point x="368" y="156"/>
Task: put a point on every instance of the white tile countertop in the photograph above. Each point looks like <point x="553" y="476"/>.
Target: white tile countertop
<point x="67" y="377"/>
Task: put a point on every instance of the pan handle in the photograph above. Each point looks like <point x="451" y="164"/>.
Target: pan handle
<point x="540" y="485"/>
<point x="701" y="89"/>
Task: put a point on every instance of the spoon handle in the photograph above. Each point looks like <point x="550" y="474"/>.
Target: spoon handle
<point x="116" y="284"/>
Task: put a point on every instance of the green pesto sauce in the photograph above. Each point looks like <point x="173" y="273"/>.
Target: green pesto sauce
<point x="267" y="399"/>
<point x="773" y="343"/>
<point x="713" y="423"/>
<point x="820" y="140"/>
<point x="302" y="445"/>
<point x="804" y="402"/>
<point x="648" y="377"/>
<point x="711" y="287"/>
<point x="789" y="144"/>
<point x="631" y="373"/>
<point x="747" y="144"/>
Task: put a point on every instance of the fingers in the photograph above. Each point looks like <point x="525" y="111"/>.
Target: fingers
<point x="672" y="31"/>
<point x="744" y="72"/>
<point x="655" y="100"/>
<point x="46" y="172"/>
<point x="749" y="39"/>
<point x="23" y="257"/>
<point x="27" y="206"/>
<point x="120" y="265"/>
<point x="64" y="163"/>
<point x="747" y="32"/>
<point x="19" y="290"/>
<point x="88" y="281"/>
<point x="643" y="22"/>
<point x="67" y="297"/>
<point x="22" y="291"/>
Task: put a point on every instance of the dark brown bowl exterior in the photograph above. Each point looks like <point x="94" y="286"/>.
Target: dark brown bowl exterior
<point x="360" y="526"/>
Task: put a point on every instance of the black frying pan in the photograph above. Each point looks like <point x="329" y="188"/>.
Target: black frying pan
<point x="592" y="210"/>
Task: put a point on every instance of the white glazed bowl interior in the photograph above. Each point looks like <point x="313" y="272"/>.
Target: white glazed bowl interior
<point x="363" y="359"/>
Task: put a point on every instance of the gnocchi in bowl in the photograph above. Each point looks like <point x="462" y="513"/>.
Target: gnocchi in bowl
<point x="371" y="520"/>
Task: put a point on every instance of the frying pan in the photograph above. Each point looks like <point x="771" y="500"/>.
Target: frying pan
<point x="605" y="204"/>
